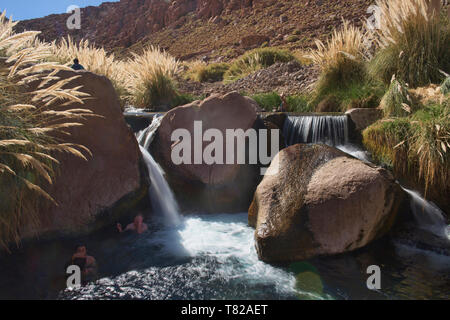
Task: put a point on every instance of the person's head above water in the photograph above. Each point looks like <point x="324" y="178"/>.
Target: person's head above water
<point x="139" y="219"/>
<point x="80" y="250"/>
<point x="76" y="61"/>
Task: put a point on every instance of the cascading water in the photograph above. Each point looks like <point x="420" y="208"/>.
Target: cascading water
<point x="331" y="130"/>
<point x="214" y="257"/>
<point x="162" y="197"/>
<point x="427" y="215"/>
<point x="146" y="136"/>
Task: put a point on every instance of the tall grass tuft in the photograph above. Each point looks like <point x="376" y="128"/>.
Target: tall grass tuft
<point x="397" y="102"/>
<point x="341" y="60"/>
<point x="93" y="59"/>
<point x="149" y="78"/>
<point x="414" y="40"/>
<point x="31" y="96"/>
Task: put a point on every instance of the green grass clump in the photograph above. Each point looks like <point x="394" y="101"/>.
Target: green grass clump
<point x="355" y="94"/>
<point x="416" y="146"/>
<point x="182" y="99"/>
<point x="385" y="140"/>
<point x="255" y="60"/>
<point x="209" y="73"/>
<point x="397" y="101"/>
<point x="415" y="43"/>
<point x="156" y="92"/>
<point x="268" y="101"/>
<point x="342" y="60"/>
<point x="271" y="101"/>
<point x="299" y="103"/>
<point x="292" y="38"/>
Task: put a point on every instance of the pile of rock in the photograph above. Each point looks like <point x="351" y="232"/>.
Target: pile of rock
<point x="290" y="78"/>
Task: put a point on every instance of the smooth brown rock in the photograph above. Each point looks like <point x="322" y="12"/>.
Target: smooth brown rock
<point x="84" y="189"/>
<point x="364" y="117"/>
<point x="321" y="202"/>
<point x="202" y="187"/>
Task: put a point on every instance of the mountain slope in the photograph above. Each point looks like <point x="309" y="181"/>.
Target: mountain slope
<point x="218" y="29"/>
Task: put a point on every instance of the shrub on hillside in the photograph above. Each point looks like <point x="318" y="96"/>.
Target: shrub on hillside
<point x="214" y="72"/>
<point x="255" y="60"/>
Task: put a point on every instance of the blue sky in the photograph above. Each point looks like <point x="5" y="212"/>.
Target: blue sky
<point x="28" y="9"/>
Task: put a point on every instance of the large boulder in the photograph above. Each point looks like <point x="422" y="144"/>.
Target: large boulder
<point x="202" y="187"/>
<point x="93" y="193"/>
<point x="316" y="200"/>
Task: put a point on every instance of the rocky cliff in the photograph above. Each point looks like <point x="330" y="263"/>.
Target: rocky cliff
<point x="121" y="24"/>
<point x="195" y="27"/>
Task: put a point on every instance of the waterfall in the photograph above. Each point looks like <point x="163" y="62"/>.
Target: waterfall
<point x="427" y="215"/>
<point x="162" y="197"/>
<point x="331" y="130"/>
<point x="145" y="137"/>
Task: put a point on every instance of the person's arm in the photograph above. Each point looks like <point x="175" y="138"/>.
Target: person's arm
<point x="129" y="227"/>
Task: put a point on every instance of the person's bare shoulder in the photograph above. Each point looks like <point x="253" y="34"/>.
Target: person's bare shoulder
<point x="131" y="227"/>
<point x="90" y="260"/>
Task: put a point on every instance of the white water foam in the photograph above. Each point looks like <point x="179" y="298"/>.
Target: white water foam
<point x="354" y="151"/>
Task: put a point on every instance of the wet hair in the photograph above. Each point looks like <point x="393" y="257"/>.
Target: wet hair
<point x="79" y="246"/>
<point x="76" y="61"/>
